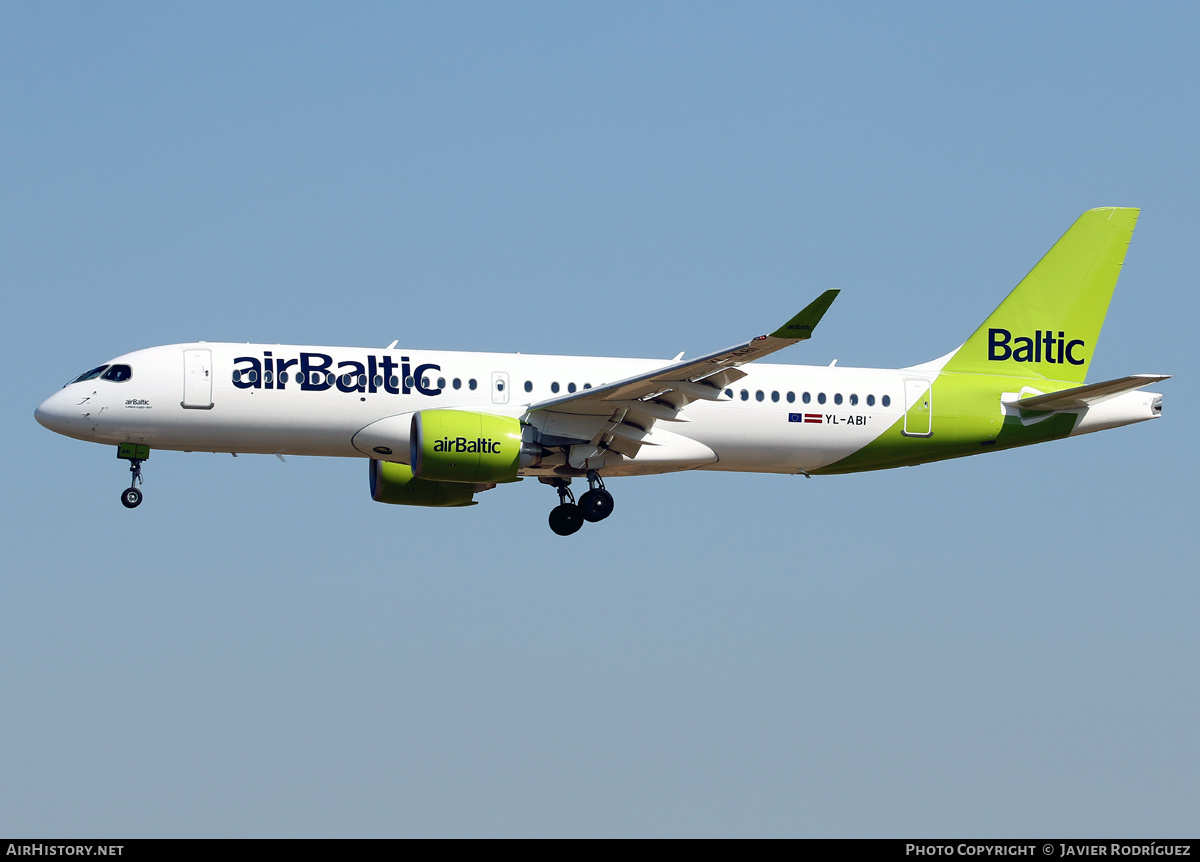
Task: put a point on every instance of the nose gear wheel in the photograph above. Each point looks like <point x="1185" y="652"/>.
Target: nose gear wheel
<point x="131" y="497"/>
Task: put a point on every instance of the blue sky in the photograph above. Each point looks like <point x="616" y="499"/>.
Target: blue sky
<point x="1000" y="646"/>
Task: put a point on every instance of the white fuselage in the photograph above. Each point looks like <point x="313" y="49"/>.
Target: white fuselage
<point x="168" y="405"/>
<point x="359" y="402"/>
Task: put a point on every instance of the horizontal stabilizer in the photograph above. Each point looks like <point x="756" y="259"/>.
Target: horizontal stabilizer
<point x="1084" y="396"/>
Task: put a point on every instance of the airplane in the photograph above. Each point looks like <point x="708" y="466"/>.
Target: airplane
<point x="439" y="427"/>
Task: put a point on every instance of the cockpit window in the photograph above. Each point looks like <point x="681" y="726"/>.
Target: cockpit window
<point x="117" y="373"/>
<point x="90" y="375"/>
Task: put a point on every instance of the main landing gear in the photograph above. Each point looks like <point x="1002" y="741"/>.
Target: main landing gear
<point x="565" y="518"/>
<point x="596" y="504"/>
<point x="135" y="454"/>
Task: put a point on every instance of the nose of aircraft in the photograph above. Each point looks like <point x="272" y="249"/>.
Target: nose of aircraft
<point x="57" y="411"/>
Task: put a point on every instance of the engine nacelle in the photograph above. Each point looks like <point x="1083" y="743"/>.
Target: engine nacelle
<point x="459" y="446"/>
<point x="386" y="438"/>
<point x="395" y="483"/>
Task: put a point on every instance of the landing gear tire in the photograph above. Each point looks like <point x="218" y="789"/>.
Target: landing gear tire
<point x="565" y="519"/>
<point x="131" y="497"/>
<point x="596" y="504"/>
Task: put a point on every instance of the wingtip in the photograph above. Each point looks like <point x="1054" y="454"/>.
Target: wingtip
<point x="802" y="325"/>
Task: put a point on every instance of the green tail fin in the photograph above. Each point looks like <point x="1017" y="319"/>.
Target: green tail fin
<point x="1048" y="326"/>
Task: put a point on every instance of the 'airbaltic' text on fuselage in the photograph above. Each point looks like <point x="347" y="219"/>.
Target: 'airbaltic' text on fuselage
<point x="316" y="372"/>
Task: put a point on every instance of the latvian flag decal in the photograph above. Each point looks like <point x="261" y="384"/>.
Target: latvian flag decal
<point x="807" y="418"/>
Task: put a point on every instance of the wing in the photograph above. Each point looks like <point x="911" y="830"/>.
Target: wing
<point x="619" y="416"/>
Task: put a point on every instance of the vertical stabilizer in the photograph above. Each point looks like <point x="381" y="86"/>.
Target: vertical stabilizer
<point x="1048" y="326"/>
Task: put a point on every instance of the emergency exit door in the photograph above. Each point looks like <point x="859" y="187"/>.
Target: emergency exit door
<point x="499" y="387"/>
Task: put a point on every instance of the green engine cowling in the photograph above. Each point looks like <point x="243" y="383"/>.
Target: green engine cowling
<point x="459" y="446"/>
<point x="395" y="483"/>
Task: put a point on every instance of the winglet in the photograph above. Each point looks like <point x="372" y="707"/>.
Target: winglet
<point x="800" y="327"/>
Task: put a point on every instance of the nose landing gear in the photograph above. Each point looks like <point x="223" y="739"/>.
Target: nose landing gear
<point x="135" y="454"/>
<point x="596" y="504"/>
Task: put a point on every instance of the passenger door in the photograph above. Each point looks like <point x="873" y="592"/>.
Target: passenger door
<point x="918" y="408"/>
<point x="197" y="379"/>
